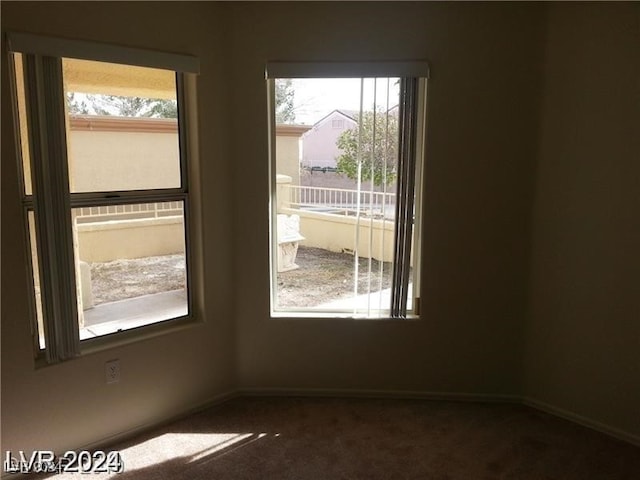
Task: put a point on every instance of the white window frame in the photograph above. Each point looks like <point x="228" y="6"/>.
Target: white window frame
<point x="412" y="108"/>
<point x="51" y="201"/>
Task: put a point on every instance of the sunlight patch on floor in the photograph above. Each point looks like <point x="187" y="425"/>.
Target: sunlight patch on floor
<point x="171" y="446"/>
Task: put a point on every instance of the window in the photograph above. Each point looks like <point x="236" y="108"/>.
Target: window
<point x="337" y="123"/>
<point x="346" y="243"/>
<point x="105" y="188"/>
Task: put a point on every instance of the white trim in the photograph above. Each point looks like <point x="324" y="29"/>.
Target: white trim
<point x="390" y="394"/>
<point x="581" y="420"/>
<point x="416" y="68"/>
<point x="102" y="52"/>
<point x="445" y="396"/>
<point x="273" y="195"/>
<point x="52" y="203"/>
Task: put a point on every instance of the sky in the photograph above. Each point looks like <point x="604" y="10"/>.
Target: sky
<point x="315" y="98"/>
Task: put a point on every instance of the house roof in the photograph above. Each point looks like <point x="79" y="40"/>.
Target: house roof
<point x="352" y="114"/>
<point x="348" y="114"/>
<point x="291" y="130"/>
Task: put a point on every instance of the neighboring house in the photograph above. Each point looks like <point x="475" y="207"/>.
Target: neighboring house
<point x="319" y="147"/>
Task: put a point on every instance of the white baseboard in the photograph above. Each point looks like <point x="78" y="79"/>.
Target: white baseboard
<point x="580" y="420"/>
<point x="446" y="396"/>
<point x="396" y="394"/>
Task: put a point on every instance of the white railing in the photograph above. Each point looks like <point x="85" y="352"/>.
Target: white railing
<point x="128" y="212"/>
<point x="341" y="201"/>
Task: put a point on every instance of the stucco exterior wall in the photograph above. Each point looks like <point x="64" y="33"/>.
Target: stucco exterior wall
<point x="288" y="157"/>
<point x="106" y="241"/>
<point x="337" y="233"/>
<point x="106" y="161"/>
<point x="319" y="147"/>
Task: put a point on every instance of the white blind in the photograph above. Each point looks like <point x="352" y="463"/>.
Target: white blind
<point x="386" y="151"/>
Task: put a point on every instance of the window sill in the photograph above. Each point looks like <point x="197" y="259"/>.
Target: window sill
<point x="127" y="337"/>
<point x="341" y="316"/>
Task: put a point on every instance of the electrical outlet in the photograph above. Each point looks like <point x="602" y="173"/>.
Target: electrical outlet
<point x="112" y="371"/>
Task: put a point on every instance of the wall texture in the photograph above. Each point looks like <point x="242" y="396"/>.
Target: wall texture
<point x="583" y="336"/>
<point x="69" y="405"/>
<point x="521" y="295"/>
<point x="483" y="95"/>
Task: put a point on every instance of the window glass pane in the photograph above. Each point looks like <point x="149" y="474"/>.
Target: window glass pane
<point x="335" y="166"/>
<point x="130" y="265"/>
<point x="122" y="127"/>
<point x="35" y="269"/>
<point x="22" y="123"/>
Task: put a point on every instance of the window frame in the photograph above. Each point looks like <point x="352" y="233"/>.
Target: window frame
<point x="418" y="72"/>
<point x="53" y="219"/>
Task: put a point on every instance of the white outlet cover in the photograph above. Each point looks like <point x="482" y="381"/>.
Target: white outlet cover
<point x="112" y="371"/>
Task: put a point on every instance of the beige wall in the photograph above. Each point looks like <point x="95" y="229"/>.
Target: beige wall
<point x="486" y="60"/>
<point x="337" y="233"/>
<point x="106" y="241"/>
<point x="488" y="67"/>
<point x="583" y="335"/>
<point x="288" y="150"/>
<point x="287" y="153"/>
<point x="105" y="161"/>
<point x="69" y="405"/>
<point x="125" y="158"/>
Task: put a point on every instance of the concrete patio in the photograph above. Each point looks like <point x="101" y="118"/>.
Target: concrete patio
<point x="133" y="312"/>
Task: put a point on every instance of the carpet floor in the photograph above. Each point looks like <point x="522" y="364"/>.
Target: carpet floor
<point x="327" y="438"/>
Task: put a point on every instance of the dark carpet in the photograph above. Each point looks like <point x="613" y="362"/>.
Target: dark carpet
<point x="326" y="438"/>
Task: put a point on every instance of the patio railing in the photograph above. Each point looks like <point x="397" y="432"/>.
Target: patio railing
<point x="341" y="201"/>
<point x="128" y="212"/>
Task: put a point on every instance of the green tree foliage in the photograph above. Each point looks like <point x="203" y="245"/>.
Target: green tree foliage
<point x="285" y="110"/>
<point x="88" y="104"/>
<point x="379" y="148"/>
<point x="121" y="106"/>
<point x="76" y="106"/>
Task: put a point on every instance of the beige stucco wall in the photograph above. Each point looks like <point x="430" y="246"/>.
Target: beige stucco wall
<point x="113" y="79"/>
<point x="128" y="159"/>
<point x="288" y="157"/>
<point x="105" y="161"/>
<point x="106" y="241"/>
<point x="337" y="233"/>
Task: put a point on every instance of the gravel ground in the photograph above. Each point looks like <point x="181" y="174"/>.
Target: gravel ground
<point x="121" y="279"/>
<point x="323" y="276"/>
